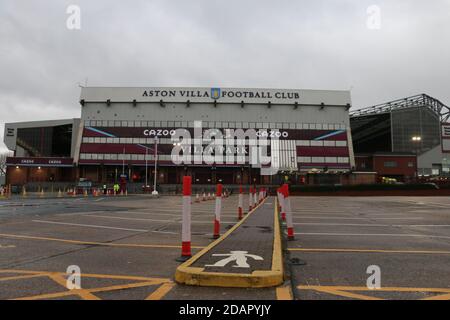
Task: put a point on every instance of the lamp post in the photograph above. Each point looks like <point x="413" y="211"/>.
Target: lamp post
<point x="154" y="192"/>
<point x="417" y="140"/>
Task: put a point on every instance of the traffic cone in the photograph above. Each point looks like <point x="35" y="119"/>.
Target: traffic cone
<point x="197" y="198"/>
<point x="204" y="197"/>
<point x="42" y="193"/>
<point x="24" y="192"/>
<point x="85" y="193"/>
<point x="209" y="196"/>
<point x="59" y="193"/>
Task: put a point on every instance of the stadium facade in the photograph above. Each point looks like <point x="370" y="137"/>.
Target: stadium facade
<point x="387" y="138"/>
<point x="121" y="129"/>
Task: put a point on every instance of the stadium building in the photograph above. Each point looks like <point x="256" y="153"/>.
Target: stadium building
<point x="122" y="129"/>
<point x="403" y="139"/>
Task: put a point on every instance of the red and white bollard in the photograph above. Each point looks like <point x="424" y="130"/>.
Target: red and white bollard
<point x="287" y="205"/>
<point x="197" y="198"/>
<point x="217" y="211"/>
<point x="186" y="219"/>
<point x="250" y="199"/>
<point x="261" y="195"/>
<point x="255" y="197"/>
<point x="282" y="204"/>
<point x="279" y="199"/>
<point x="240" y="203"/>
<point x="204" y="196"/>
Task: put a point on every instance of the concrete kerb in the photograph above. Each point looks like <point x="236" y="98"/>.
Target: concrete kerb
<point x="185" y="274"/>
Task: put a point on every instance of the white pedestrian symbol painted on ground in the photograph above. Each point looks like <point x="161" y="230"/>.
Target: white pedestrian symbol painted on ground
<point x="239" y="256"/>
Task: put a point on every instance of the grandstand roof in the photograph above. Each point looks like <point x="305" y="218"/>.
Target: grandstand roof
<point x="421" y="100"/>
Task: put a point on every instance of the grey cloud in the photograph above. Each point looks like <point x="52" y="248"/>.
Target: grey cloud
<point x="288" y="44"/>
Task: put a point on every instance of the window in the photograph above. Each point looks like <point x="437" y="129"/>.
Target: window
<point x="341" y="143"/>
<point x="390" y="164"/>
<point x="305" y="143"/>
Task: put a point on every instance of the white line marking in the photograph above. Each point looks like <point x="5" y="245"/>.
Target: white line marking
<point x="369" y="225"/>
<point x="372" y="235"/>
<point x="132" y="219"/>
<point x="6" y="246"/>
<point x="345" y="218"/>
<point x="154" y="220"/>
<point x="88" y="225"/>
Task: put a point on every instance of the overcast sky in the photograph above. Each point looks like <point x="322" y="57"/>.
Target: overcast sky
<point x="322" y="44"/>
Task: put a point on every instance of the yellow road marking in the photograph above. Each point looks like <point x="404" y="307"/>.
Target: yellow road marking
<point x="84" y="294"/>
<point x="125" y="245"/>
<point x="439" y="297"/>
<point x="48" y="295"/>
<point x="22" y="277"/>
<point x="368" y="251"/>
<point x="88" y="294"/>
<point x="343" y="291"/>
<point x="284" y="293"/>
<point x="161" y="291"/>
<point x="348" y="294"/>
<point x="387" y="289"/>
<point x="124" y="286"/>
<point x="88" y="275"/>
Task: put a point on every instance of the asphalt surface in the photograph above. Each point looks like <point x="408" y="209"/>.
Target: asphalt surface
<point x="339" y="238"/>
<point x="126" y="248"/>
